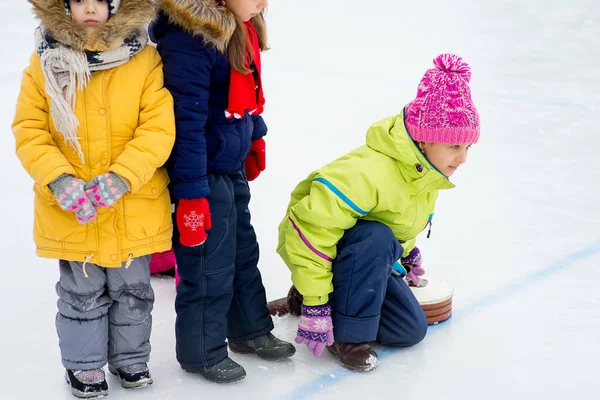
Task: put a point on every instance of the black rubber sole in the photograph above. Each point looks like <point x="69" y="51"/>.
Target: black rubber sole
<point x="196" y="372"/>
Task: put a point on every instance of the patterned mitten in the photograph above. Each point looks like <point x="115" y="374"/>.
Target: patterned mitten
<point x="104" y="190"/>
<point x="70" y="194"/>
<point x="412" y="263"/>
<point x="193" y="220"/>
<point x="315" y="328"/>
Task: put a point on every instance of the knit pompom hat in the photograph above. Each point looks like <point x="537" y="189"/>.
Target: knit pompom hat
<point x="113" y="6"/>
<point x="443" y="111"/>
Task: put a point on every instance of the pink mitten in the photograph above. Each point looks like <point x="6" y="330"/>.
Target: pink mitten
<point x="315" y="328"/>
<point x="413" y="265"/>
<point x="104" y="190"/>
<point x="70" y="194"/>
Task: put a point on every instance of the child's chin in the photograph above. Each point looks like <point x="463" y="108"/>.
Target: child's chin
<point x="91" y="30"/>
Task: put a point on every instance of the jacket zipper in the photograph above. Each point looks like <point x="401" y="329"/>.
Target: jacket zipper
<point x="429" y="223"/>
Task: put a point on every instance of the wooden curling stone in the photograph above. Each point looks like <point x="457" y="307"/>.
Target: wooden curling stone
<point x="435" y="298"/>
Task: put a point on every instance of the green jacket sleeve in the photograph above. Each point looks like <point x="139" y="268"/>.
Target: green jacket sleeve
<point x="308" y="236"/>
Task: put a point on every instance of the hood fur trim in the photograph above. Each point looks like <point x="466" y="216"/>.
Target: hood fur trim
<point x="132" y="18"/>
<point x="214" y="23"/>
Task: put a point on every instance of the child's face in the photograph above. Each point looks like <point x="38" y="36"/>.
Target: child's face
<point x="90" y="14"/>
<point x="446" y="157"/>
<point x="246" y="9"/>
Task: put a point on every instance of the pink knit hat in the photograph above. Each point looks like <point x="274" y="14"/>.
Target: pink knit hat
<point x="443" y="111"/>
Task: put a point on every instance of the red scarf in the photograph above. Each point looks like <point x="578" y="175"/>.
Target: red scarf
<point x="245" y="90"/>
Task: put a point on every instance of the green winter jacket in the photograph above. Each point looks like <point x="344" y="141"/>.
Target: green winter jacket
<point x="387" y="180"/>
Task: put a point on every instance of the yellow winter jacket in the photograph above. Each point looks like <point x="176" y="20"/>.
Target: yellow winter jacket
<point x="127" y="126"/>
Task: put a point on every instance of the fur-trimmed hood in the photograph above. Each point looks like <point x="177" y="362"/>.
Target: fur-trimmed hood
<point x="132" y="18"/>
<point x="214" y="23"/>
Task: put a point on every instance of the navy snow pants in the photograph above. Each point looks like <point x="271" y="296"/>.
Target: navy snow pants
<point x="368" y="302"/>
<point x="221" y="294"/>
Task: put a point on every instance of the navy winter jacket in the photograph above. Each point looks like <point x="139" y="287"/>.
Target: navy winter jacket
<point x="197" y="75"/>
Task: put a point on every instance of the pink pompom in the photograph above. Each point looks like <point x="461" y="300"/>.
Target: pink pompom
<point x="453" y="63"/>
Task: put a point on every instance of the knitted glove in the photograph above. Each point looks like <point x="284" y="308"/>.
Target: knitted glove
<point x="193" y="220"/>
<point x="256" y="160"/>
<point x="412" y="263"/>
<point x="70" y="194"/>
<point x="315" y="328"/>
<point x="104" y="190"/>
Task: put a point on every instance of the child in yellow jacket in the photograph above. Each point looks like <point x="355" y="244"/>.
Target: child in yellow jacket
<point x="93" y="127"/>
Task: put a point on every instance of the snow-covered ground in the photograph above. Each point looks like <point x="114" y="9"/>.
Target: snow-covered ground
<point x="518" y="237"/>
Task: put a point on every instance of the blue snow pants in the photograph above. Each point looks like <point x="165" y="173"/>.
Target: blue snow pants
<point x="221" y="294"/>
<point x="368" y="302"/>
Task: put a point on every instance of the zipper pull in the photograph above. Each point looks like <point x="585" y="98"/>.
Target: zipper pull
<point x="429" y="222"/>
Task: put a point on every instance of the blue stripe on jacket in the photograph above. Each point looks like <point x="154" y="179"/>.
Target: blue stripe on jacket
<point x="341" y="195"/>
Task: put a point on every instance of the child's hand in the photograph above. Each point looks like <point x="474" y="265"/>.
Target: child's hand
<point x="104" y="190"/>
<point x="256" y="160"/>
<point x="193" y="220"/>
<point x="315" y="328"/>
<point x="413" y="265"/>
<point x="70" y="194"/>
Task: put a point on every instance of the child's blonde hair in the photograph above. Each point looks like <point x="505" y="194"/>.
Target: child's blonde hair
<point x="239" y="46"/>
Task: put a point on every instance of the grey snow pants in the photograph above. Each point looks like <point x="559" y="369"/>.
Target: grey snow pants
<point x="105" y="317"/>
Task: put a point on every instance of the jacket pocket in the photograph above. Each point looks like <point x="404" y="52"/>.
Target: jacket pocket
<point x="147" y="213"/>
<point x="216" y="142"/>
<point x="233" y="138"/>
<point x="244" y="129"/>
<point x="52" y="222"/>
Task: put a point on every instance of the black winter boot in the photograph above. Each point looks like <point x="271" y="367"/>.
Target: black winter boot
<point x="132" y="376"/>
<point x="87" y="384"/>
<point x="267" y="347"/>
<point x="226" y="371"/>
